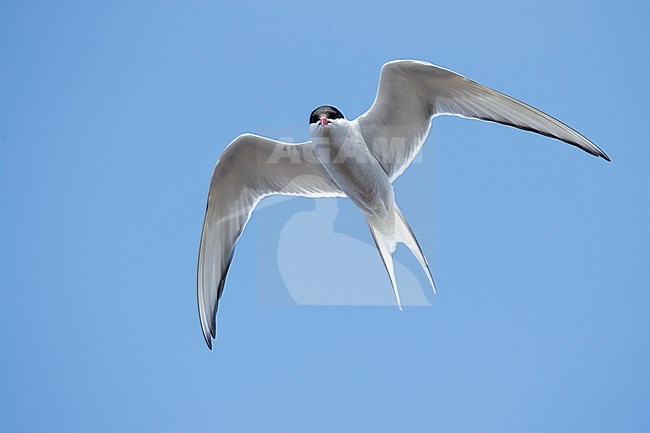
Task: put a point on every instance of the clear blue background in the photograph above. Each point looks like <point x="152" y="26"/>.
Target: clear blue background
<point x="112" y="116"/>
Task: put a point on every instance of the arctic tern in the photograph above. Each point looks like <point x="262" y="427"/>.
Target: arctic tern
<point x="358" y="159"/>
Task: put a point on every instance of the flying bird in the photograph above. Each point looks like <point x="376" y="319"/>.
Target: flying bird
<point x="358" y="159"/>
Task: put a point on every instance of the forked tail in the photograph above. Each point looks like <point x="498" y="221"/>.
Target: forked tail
<point x="386" y="243"/>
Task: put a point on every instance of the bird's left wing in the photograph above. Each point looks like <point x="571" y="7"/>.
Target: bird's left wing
<point x="250" y="168"/>
<point x="412" y="92"/>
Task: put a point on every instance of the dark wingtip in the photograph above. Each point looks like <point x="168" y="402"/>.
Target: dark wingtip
<point x="213" y="327"/>
<point x="207" y="337"/>
<point x="598" y="153"/>
<point x="213" y="321"/>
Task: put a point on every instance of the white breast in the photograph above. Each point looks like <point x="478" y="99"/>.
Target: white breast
<point x="342" y="151"/>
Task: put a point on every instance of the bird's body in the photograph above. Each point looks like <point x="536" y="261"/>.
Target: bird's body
<point x="343" y="152"/>
<point x="358" y="159"/>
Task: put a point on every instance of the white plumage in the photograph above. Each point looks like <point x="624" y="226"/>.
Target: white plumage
<point x="357" y="159"/>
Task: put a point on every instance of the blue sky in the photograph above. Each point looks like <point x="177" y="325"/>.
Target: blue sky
<point x="112" y="116"/>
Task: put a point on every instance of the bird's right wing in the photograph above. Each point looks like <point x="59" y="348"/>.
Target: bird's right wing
<point x="412" y="92"/>
<point x="250" y="168"/>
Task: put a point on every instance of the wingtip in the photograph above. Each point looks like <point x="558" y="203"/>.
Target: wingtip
<point x="597" y="152"/>
<point x="207" y="338"/>
<point x="212" y="324"/>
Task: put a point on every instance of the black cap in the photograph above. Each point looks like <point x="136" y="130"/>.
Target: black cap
<point x="326" y="111"/>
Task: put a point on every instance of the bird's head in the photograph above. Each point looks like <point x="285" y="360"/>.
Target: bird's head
<point x="323" y="118"/>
